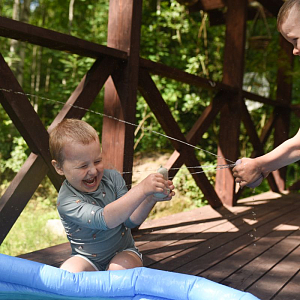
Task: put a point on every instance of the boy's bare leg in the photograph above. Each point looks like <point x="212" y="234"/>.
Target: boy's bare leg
<point x="77" y="264"/>
<point x="125" y="260"/>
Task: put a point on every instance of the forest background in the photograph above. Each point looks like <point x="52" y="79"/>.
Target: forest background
<point x="171" y="35"/>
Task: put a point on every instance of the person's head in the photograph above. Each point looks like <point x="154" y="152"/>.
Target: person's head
<point x="76" y="154"/>
<point x="288" y="23"/>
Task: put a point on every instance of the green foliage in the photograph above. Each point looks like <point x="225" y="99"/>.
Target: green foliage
<point x="18" y="155"/>
<point x="186" y="185"/>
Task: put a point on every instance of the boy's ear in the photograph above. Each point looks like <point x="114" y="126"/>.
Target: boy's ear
<point x="57" y="167"/>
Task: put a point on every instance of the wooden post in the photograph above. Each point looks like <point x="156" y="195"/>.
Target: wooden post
<point x="120" y="91"/>
<point x="284" y="94"/>
<point x="233" y="70"/>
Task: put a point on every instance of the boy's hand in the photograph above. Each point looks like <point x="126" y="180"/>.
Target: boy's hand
<point x="168" y="192"/>
<point x="155" y="183"/>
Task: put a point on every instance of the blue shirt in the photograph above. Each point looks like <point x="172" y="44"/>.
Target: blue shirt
<point x="82" y="216"/>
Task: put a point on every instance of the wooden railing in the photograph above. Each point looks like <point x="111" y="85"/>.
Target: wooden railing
<point x="123" y="67"/>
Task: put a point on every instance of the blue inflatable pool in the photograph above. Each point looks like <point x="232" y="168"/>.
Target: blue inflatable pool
<point x="23" y="279"/>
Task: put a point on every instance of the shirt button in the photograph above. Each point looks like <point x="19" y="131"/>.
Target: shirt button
<point x="123" y="233"/>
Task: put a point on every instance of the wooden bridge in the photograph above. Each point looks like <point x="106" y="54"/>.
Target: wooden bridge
<point x="214" y="241"/>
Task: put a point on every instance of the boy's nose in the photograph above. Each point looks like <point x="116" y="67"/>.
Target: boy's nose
<point x="296" y="51"/>
<point x="92" y="170"/>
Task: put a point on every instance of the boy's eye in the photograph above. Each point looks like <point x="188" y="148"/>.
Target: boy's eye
<point x="82" y="167"/>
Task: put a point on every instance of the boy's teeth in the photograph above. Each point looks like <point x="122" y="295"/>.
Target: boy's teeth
<point x="90" y="180"/>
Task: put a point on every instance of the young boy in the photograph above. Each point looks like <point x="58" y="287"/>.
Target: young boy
<point x="250" y="170"/>
<point x="95" y="207"/>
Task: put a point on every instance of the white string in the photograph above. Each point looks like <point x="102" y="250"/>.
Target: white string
<point x="216" y="167"/>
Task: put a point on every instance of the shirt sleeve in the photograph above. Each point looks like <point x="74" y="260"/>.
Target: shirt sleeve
<point x="77" y="211"/>
<point x="121" y="190"/>
<point x="128" y="223"/>
<point x="120" y="185"/>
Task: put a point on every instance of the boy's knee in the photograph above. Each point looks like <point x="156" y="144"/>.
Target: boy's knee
<point x="125" y="260"/>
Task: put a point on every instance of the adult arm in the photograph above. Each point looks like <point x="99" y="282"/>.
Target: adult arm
<point x="249" y="170"/>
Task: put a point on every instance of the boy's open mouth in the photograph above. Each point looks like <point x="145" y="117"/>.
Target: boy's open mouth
<point x="90" y="182"/>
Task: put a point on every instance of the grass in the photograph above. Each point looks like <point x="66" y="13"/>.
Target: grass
<point x="29" y="233"/>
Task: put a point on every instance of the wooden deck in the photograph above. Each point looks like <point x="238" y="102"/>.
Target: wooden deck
<point x="253" y="246"/>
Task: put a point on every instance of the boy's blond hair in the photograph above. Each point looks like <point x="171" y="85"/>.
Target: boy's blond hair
<point x="285" y="10"/>
<point x="68" y="131"/>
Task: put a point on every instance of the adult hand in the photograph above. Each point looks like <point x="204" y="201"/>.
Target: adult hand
<point x="247" y="173"/>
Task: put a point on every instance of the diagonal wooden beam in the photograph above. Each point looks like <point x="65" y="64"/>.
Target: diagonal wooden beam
<point x="182" y="76"/>
<point x="24" y="117"/>
<point x="267" y="130"/>
<point x="35" y="169"/>
<point x="195" y="134"/>
<point x="256" y="142"/>
<point x="20" y="191"/>
<point x="161" y="111"/>
<point x="56" y="40"/>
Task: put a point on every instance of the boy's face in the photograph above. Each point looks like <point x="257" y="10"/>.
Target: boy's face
<point x="82" y="166"/>
<point x="290" y="29"/>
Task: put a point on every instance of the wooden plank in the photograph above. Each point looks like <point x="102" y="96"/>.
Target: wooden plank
<point x="291" y="289"/>
<point x="212" y="239"/>
<point x="54" y="40"/>
<point x="279" y="271"/>
<point x="162" y="113"/>
<point x="236" y="269"/>
<point x="53" y="256"/>
<point x="160" y="229"/>
<point x="263" y="258"/>
<point x="120" y="94"/>
<point x="233" y="68"/>
<point x="184" y="233"/>
<point x="211" y="252"/>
